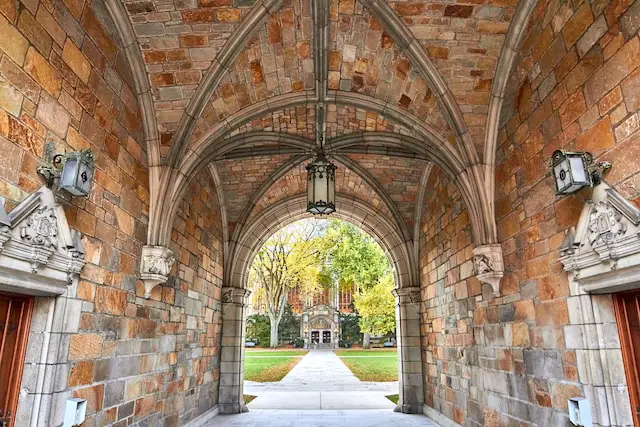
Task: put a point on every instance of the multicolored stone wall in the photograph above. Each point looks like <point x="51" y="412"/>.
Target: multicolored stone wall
<point x="575" y="88"/>
<point x="65" y="85"/>
<point x="449" y="296"/>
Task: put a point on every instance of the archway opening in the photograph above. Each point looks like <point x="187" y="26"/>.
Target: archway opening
<point x="321" y="321"/>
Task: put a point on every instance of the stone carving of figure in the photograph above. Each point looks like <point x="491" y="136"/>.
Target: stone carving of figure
<point x="483" y="264"/>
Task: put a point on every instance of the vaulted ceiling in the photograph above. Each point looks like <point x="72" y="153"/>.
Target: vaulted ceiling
<point x="250" y="88"/>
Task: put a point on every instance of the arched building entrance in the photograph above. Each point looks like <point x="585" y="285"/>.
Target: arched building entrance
<point x="399" y="253"/>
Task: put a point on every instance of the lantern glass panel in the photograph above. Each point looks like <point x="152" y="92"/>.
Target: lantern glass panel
<point x="578" y="172"/>
<point x="563" y="175"/>
<point x="69" y="173"/>
<point x="85" y="178"/>
<point x="321" y="185"/>
<point x="332" y="188"/>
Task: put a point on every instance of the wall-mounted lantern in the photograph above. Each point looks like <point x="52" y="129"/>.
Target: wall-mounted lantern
<point x="321" y="185"/>
<point x="575" y="170"/>
<point x="74" y="171"/>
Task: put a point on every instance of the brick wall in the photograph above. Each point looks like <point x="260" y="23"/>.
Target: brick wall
<point x="575" y="88"/>
<point x="449" y="294"/>
<point x="65" y="84"/>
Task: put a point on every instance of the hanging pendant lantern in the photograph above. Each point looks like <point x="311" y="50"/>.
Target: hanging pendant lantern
<point x="321" y="186"/>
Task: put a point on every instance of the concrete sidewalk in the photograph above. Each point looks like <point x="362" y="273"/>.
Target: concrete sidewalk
<point x="320" y="381"/>
<point x="372" y="418"/>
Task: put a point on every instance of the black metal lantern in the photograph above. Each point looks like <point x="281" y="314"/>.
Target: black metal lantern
<point x="571" y="171"/>
<point x="74" y="171"/>
<point x="321" y="186"/>
<point x="77" y="173"/>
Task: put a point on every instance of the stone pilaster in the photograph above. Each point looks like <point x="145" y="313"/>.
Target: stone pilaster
<point x="231" y="399"/>
<point x="409" y="354"/>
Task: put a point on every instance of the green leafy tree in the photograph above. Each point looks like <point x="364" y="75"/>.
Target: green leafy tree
<point x="258" y="329"/>
<point x="288" y="259"/>
<point x="376" y="307"/>
<point x="360" y="264"/>
<point x="289" y="328"/>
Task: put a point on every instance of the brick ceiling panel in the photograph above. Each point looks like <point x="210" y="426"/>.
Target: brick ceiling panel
<point x="464" y="42"/>
<point x="179" y="39"/>
<point x="240" y="179"/>
<point x="400" y="179"/>
<point x="348" y="183"/>
<point x="300" y="121"/>
<point x="276" y="61"/>
<point x="363" y="58"/>
<point x="344" y="120"/>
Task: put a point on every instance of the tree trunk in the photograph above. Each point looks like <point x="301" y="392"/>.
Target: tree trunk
<point x="366" y="341"/>
<point x="274" y="331"/>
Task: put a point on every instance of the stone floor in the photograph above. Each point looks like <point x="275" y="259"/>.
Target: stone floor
<point x="354" y="418"/>
<point x="320" y="381"/>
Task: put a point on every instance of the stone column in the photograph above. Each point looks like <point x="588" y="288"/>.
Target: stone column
<point x="231" y="399"/>
<point x="409" y="352"/>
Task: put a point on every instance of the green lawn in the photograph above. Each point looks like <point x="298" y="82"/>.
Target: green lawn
<point x="393" y="397"/>
<point x="392" y="352"/>
<point x="270" y="365"/>
<point x="261" y="353"/>
<point x="371" y="365"/>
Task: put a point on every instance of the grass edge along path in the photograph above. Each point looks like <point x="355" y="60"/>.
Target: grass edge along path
<point x="268" y="369"/>
<point x="371" y="365"/>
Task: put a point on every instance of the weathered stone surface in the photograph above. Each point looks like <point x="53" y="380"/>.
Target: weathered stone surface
<point x="109" y="300"/>
<point x="81" y="373"/>
<point x="38" y="68"/>
<point x="12" y="42"/>
<point x="53" y="115"/>
<point x="85" y="346"/>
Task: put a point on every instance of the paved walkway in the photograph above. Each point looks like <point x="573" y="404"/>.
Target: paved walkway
<point x="320" y="381"/>
<point x="371" y="418"/>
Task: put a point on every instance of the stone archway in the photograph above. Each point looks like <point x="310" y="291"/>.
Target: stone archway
<point x="407" y="296"/>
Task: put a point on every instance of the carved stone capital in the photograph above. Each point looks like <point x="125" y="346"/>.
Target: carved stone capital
<point x="155" y="265"/>
<point x="231" y="295"/>
<point x="489" y="266"/>
<point x="407" y="295"/>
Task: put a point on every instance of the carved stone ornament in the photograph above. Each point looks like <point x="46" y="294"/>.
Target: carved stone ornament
<point x="156" y="263"/>
<point x="602" y="253"/>
<point x="407" y="295"/>
<point x="231" y="295"/>
<point x="39" y="253"/>
<point x="489" y="266"/>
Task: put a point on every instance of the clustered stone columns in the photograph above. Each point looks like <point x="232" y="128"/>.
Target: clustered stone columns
<point x="409" y="354"/>
<point x="231" y="399"/>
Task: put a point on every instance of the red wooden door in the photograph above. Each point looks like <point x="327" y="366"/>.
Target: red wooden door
<point x="15" y="317"/>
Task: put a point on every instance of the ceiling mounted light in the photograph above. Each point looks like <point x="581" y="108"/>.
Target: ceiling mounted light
<point x="321" y="185"/>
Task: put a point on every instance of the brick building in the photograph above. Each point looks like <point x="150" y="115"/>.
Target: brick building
<point x="202" y="114"/>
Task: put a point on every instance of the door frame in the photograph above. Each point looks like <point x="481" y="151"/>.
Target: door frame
<point x="629" y="358"/>
<point x="15" y="381"/>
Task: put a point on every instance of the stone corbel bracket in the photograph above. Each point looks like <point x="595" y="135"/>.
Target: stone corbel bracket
<point x="232" y="295"/>
<point x="407" y="295"/>
<point x="155" y="265"/>
<point x="488" y="266"/>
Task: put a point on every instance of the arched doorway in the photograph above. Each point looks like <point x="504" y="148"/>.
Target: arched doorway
<point x="407" y="296"/>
